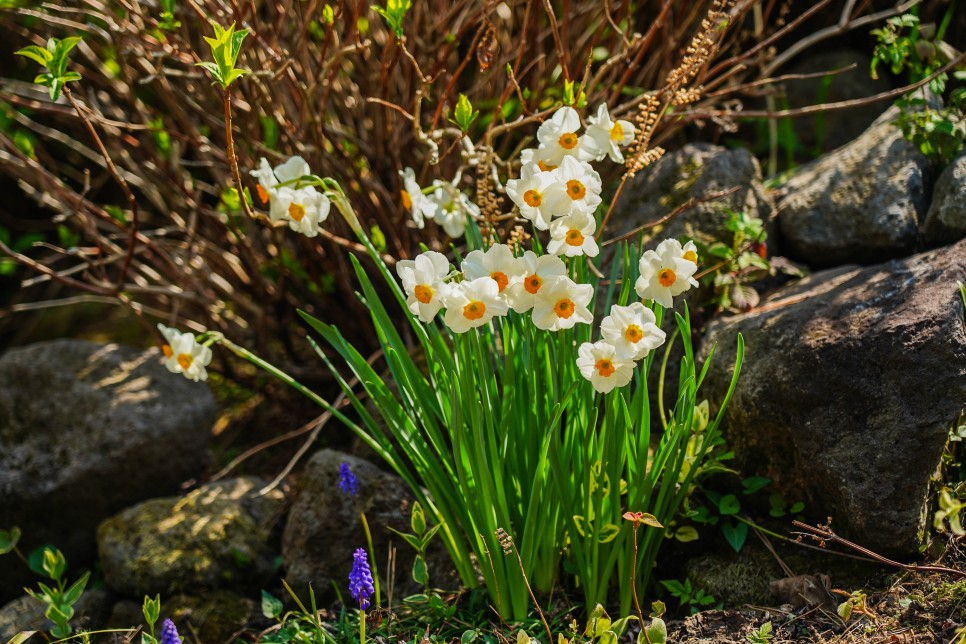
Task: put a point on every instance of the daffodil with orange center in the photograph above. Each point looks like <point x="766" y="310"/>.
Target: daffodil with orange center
<point x="473" y="303"/>
<point x="288" y="196"/>
<point x="561" y="304"/>
<point x="580" y="183"/>
<point x="599" y="363"/>
<point x="574" y="235"/>
<point x="632" y="330"/>
<point x="665" y="273"/>
<point x="522" y="294"/>
<point x="183" y="354"/>
<point x="497" y="263"/>
<point x="538" y="196"/>
<point x="423" y="280"/>
<point x="559" y="138"/>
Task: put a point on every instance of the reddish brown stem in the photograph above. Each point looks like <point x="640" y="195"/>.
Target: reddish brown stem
<point x="823" y="533"/>
<point x="131" y="199"/>
<point x="232" y="161"/>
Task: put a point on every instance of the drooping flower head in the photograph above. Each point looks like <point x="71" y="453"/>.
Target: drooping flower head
<point x="600" y="364"/>
<point x="183" y="354"/>
<point x="348" y="483"/>
<point x="666" y="273"/>
<point x="303" y="208"/>
<point x="360" y="579"/>
<point x="632" y="331"/>
<point x="422" y="279"/>
<point x="169" y="633"/>
<point x="289" y="199"/>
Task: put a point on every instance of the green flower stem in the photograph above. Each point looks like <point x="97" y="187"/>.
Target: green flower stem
<point x="362" y="627"/>
<point x="242" y="352"/>
<point x="496" y="428"/>
<point x="372" y="557"/>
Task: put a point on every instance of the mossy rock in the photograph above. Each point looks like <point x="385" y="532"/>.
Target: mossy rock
<point x="217" y="536"/>
<point x="734" y="578"/>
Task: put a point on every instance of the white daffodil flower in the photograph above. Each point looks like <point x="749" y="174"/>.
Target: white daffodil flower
<point x="183" y="354"/>
<point x="581" y="183"/>
<point x="574" y="235"/>
<point x="294" y="168"/>
<point x="266" y="180"/>
<point x="497" y="263"/>
<point x="170" y="335"/>
<point x="600" y="364"/>
<point x="561" y="303"/>
<point x="665" y="274"/>
<point x="671" y="246"/>
<point x="418" y="204"/>
<point x="422" y="279"/>
<point x="522" y="293"/>
<point x="472" y="304"/>
<point x="452" y="207"/>
<point x="559" y="139"/>
<point x="608" y="135"/>
<point x="303" y="207"/>
<point x="538" y="157"/>
<point x="539" y="195"/>
<point x="632" y="330"/>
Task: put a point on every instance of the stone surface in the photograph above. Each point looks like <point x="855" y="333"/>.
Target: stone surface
<point x="324" y="528"/>
<point x="85" y="431"/>
<point x="860" y="204"/>
<point x="697" y="170"/>
<point x="946" y="220"/>
<point x="852" y="378"/>
<point x="217" y="536"/>
<point x="27" y="614"/>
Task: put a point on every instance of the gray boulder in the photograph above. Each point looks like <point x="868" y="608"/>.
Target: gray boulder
<point x="86" y="430"/>
<point x="324" y="528"/>
<point x="217" y="536"/>
<point x="946" y="221"/>
<point x="860" y="204"/>
<point x="695" y="171"/>
<point x="852" y="378"/>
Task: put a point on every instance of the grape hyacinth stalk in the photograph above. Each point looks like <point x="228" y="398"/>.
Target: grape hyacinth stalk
<point x="360" y="587"/>
<point x="349" y="484"/>
<point x="169" y="633"/>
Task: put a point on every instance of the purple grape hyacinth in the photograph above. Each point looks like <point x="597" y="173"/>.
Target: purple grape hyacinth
<point x="169" y="633"/>
<point x="348" y="482"/>
<point x="360" y="579"/>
